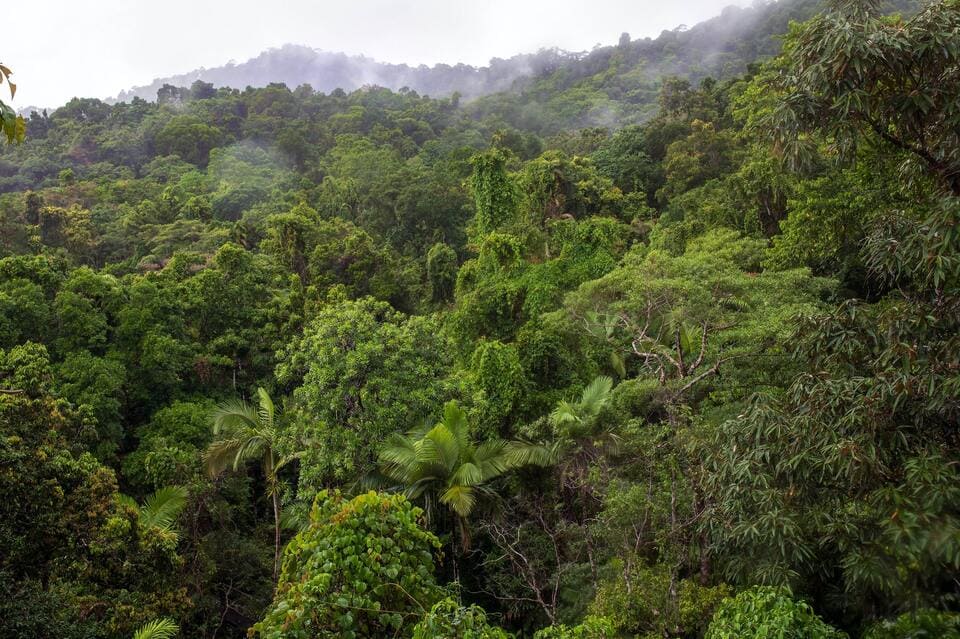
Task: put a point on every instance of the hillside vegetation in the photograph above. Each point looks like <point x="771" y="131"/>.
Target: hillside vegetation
<point x="659" y="343"/>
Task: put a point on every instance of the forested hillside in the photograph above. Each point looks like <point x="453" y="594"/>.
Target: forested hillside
<point x="608" y="86"/>
<point x="660" y="343"/>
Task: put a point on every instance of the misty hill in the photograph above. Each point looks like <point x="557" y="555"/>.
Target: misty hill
<point x="295" y="65"/>
<point x="618" y="85"/>
<point x="721" y="46"/>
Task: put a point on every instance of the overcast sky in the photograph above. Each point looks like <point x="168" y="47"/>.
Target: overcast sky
<point x="97" y="48"/>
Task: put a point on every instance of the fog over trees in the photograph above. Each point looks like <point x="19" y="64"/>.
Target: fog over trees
<point x="659" y="340"/>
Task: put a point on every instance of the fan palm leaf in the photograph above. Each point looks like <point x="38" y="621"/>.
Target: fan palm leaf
<point x="455" y="419"/>
<point x="233" y="415"/>
<point x="443" y="446"/>
<point x="595" y="396"/>
<point x="220" y="455"/>
<point x="564" y="413"/>
<point x="266" y="410"/>
<point x="492" y="458"/>
<point x="467" y="474"/>
<point x="520" y="454"/>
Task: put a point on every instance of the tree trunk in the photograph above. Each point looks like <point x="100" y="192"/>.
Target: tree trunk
<point x="276" y="534"/>
<point x="464" y="534"/>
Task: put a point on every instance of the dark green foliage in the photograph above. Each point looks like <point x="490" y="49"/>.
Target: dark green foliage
<point x="650" y="606"/>
<point x="362" y="371"/>
<point x="856" y="73"/>
<point x="918" y="625"/>
<point x="591" y="628"/>
<point x="66" y="541"/>
<point x="852" y="470"/>
<point x="442" y="271"/>
<point x="494" y="193"/>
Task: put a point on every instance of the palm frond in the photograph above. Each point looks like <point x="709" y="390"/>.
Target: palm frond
<point x="127" y="500"/>
<point x="420" y="486"/>
<point x="596" y="395"/>
<point x="252" y="448"/>
<point x="161" y="509"/>
<point x="446" y="442"/>
<point x="525" y="454"/>
<point x="266" y="410"/>
<point x="565" y="412"/>
<point x="461" y="499"/>
<point x="220" y="455"/>
<point x="455" y="419"/>
<point x="286" y="459"/>
<point x="157" y="629"/>
<point x="491" y="456"/>
<point x="399" y="450"/>
<point x="468" y="474"/>
<point x="234" y="415"/>
<point x="432" y="459"/>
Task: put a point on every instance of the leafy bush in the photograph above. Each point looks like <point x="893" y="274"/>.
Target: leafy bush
<point x="449" y="620"/>
<point x="362" y="568"/>
<point x="591" y="628"/>
<point x="762" y="612"/>
<point x="656" y="604"/>
<point x="923" y="624"/>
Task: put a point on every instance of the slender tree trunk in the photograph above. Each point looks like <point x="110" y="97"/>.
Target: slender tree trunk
<point x="465" y="538"/>
<point x="276" y="534"/>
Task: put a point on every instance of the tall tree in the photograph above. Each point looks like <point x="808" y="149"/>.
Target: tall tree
<point x="245" y="433"/>
<point x="853" y="73"/>
<point x="847" y="485"/>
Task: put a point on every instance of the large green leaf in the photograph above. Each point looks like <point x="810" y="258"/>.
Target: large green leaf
<point x="157" y="629"/>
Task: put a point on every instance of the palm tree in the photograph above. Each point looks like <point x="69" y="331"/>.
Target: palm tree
<point x="578" y="443"/>
<point x="244" y="434"/>
<point x="161" y="509"/>
<point x="157" y="629"/>
<point x="577" y="420"/>
<point x="442" y="462"/>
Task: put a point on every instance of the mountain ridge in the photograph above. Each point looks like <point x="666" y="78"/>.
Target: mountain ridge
<point x="715" y="40"/>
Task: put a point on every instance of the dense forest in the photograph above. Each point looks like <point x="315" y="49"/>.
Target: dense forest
<point x="613" y="353"/>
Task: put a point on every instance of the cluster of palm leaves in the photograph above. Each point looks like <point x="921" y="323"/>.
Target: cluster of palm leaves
<point x="443" y="463"/>
<point x="438" y="464"/>
<point x="576" y="420"/>
<point x="161" y="509"/>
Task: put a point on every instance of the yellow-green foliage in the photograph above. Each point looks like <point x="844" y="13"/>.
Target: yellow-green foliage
<point x="763" y="612"/>
<point x="450" y="620"/>
<point x="592" y="628"/>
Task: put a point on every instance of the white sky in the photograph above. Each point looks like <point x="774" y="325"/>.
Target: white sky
<point x="97" y="48"/>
